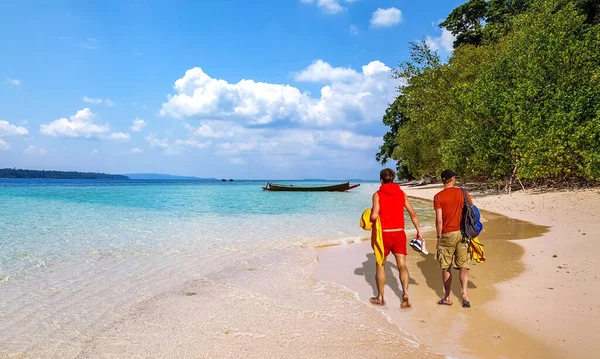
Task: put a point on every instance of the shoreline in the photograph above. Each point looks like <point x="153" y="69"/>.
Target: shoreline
<point x="514" y="290"/>
<point x="312" y="301"/>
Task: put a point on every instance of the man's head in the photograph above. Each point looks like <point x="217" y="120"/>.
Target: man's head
<point x="387" y="175"/>
<point x="448" y="176"/>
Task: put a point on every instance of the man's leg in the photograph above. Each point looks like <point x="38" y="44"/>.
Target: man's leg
<point x="447" y="280"/>
<point x="462" y="262"/>
<point x="404" y="276"/>
<point x="445" y="253"/>
<point x="380" y="280"/>
<point x="464" y="280"/>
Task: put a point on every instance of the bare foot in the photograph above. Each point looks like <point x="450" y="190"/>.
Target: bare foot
<point x="377" y="301"/>
<point x="405" y="302"/>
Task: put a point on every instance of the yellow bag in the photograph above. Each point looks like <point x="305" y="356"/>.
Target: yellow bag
<point x="476" y="250"/>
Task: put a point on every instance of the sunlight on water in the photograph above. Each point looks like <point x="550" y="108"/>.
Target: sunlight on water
<point x="75" y="255"/>
<point x="51" y="221"/>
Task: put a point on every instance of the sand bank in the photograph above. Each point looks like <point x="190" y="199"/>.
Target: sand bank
<point x="535" y="297"/>
<point x="268" y="307"/>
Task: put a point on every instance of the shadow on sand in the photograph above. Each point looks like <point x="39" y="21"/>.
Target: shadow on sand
<point x="368" y="271"/>
<point x="429" y="267"/>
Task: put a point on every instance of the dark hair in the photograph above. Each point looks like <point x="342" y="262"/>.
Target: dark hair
<point x="387" y="175"/>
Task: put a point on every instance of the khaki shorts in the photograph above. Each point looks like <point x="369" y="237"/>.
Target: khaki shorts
<point x="451" y="249"/>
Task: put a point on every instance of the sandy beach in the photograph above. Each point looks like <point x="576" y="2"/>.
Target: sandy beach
<point x="535" y="296"/>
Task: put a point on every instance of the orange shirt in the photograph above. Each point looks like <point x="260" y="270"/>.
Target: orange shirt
<point x="451" y="201"/>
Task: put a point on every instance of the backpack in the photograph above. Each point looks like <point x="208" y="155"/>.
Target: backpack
<point x="470" y="220"/>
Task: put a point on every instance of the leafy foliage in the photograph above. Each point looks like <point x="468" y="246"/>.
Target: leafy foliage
<point x="525" y="105"/>
<point x="18" y="173"/>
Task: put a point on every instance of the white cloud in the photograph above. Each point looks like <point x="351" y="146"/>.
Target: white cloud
<point x="176" y="147"/>
<point x="162" y="144"/>
<point x="108" y="102"/>
<point x="354" y="30"/>
<point x="92" y="100"/>
<point x="136" y="150"/>
<point x="13" y="82"/>
<point x="294" y="142"/>
<point x="156" y="142"/>
<point x="138" y="124"/>
<point x="386" y="17"/>
<point x="118" y="136"/>
<point x="236" y="161"/>
<point x="321" y="71"/>
<point x="330" y="6"/>
<point x="351" y="140"/>
<point x="192" y="143"/>
<point x="213" y="129"/>
<point x="445" y="41"/>
<point x="94" y="152"/>
<point x="4" y="146"/>
<point x="374" y="68"/>
<point x="6" y="129"/>
<point x="350" y="97"/>
<point x="80" y="125"/>
<point x="32" y="150"/>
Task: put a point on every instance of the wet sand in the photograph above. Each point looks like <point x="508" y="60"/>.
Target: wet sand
<point x="270" y="307"/>
<point x="521" y="304"/>
<point x="536" y="296"/>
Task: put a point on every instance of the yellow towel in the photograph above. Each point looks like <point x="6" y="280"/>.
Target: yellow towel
<point x="476" y="250"/>
<point x="376" y="235"/>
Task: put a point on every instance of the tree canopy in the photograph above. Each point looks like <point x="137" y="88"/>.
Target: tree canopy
<point x="518" y="98"/>
<point x="19" y="173"/>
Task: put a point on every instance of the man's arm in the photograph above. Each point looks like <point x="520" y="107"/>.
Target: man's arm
<point x="438" y="222"/>
<point x="413" y="217"/>
<point x="375" y="209"/>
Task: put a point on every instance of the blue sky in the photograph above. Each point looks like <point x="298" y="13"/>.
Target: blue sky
<point x="215" y="88"/>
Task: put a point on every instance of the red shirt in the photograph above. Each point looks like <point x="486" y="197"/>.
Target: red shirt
<point x="451" y="201"/>
<point x="391" y="206"/>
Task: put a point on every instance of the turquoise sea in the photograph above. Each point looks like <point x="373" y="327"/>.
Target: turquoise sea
<point x="72" y="251"/>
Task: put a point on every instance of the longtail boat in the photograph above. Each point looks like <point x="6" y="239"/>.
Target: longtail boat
<point x="339" y="187"/>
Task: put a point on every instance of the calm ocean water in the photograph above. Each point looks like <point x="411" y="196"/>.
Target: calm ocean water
<point x="72" y="250"/>
<point x="43" y="222"/>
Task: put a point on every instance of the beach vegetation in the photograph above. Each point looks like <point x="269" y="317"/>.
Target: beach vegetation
<point x="518" y="100"/>
<point x="21" y="173"/>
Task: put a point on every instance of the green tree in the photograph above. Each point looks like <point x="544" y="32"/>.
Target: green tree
<point x="524" y="103"/>
<point x="393" y="118"/>
<point x="465" y="22"/>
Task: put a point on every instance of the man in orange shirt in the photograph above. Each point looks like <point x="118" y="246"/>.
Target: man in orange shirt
<point x="388" y="204"/>
<point x="452" y="250"/>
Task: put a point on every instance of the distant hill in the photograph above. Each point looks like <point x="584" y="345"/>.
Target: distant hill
<point x="148" y="176"/>
<point x="20" y="173"/>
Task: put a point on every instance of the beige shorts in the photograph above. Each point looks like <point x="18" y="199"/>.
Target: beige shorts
<point x="452" y="250"/>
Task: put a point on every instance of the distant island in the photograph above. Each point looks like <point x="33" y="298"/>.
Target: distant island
<point x="160" y="176"/>
<point x="20" y="173"/>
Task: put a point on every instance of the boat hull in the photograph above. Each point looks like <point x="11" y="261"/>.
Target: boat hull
<point x="340" y="187"/>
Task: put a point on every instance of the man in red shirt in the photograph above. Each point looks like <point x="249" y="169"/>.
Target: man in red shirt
<point x="388" y="204"/>
<point x="452" y="250"/>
